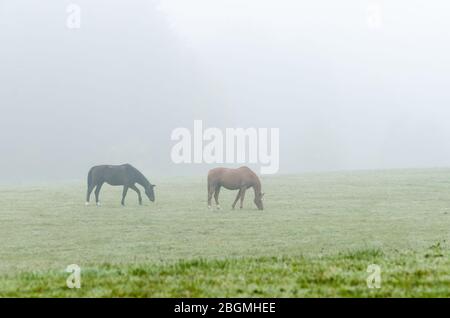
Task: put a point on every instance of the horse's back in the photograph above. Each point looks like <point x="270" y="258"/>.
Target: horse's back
<point x="98" y="169"/>
<point x="237" y="171"/>
<point x="112" y="174"/>
<point x="216" y="171"/>
<point x="219" y="173"/>
<point x="112" y="167"/>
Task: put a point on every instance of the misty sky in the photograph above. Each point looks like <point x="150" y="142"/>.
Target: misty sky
<point x="345" y="93"/>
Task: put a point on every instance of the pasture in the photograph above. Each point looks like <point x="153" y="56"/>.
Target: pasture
<point x="315" y="237"/>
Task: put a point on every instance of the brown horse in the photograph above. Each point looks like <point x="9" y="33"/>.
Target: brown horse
<point x="234" y="179"/>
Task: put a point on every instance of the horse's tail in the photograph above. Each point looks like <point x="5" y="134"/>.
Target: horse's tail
<point x="90" y="185"/>
<point x="209" y="181"/>
<point x="208" y="185"/>
<point x="89" y="178"/>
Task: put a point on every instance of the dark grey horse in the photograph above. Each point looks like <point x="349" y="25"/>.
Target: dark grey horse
<point x="125" y="175"/>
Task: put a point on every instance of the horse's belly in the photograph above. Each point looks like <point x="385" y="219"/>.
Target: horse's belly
<point x="114" y="183"/>
<point x="231" y="187"/>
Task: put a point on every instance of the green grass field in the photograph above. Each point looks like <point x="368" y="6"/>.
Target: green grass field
<point x="316" y="237"/>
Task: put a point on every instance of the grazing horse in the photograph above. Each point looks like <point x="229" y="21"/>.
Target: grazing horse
<point x="234" y="179"/>
<point x="125" y="175"/>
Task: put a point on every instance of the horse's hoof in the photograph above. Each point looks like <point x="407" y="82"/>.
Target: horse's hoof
<point x="218" y="207"/>
<point x="99" y="204"/>
<point x="209" y="207"/>
<point x="86" y="204"/>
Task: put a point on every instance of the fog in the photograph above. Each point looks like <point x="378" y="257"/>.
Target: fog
<point x="353" y="84"/>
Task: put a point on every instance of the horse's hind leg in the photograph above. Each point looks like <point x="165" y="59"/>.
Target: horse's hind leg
<point x="210" y="194"/>
<point x="97" y="192"/>
<point x="89" y="191"/>
<point x="216" y="196"/>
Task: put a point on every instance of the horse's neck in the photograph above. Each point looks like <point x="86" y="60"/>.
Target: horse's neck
<point x="257" y="187"/>
<point x="142" y="180"/>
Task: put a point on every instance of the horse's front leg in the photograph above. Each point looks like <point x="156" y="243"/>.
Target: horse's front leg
<point x="210" y="194"/>
<point x="124" y="194"/>
<point x="138" y="193"/>
<point x="236" y="200"/>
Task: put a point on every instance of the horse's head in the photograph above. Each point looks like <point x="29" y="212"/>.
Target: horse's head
<point x="258" y="201"/>
<point x="150" y="192"/>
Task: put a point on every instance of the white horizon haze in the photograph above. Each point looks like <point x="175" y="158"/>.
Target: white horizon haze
<point x="350" y="84"/>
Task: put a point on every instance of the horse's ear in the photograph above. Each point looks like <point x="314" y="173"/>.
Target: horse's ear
<point x="153" y="185"/>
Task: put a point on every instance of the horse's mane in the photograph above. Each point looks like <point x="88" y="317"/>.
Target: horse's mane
<point x="257" y="185"/>
<point x="140" y="176"/>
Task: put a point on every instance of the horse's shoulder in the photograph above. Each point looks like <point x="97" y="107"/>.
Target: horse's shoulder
<point x="245" y="168"/>
<point x="248" y="171"/>
<point x="128" y="167"/>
